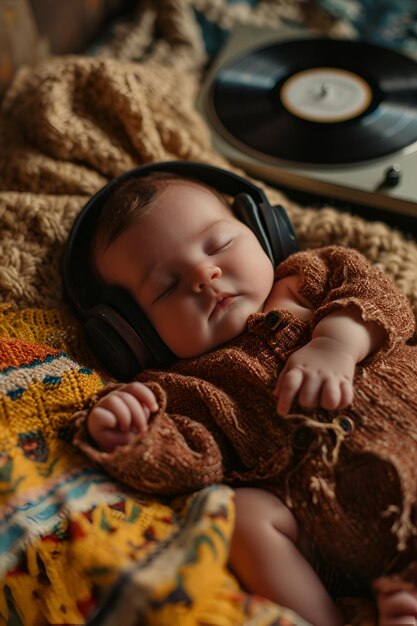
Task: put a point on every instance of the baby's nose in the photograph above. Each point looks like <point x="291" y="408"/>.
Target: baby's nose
<point x="203" y="276"/>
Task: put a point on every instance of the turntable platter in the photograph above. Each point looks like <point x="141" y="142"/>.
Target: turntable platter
<point x="317" y="101"/>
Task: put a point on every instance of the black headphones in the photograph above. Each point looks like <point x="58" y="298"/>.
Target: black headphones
<point x="119" y="333"/>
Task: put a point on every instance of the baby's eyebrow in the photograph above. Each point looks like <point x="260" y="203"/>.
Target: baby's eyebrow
<point x="212" y="226"/>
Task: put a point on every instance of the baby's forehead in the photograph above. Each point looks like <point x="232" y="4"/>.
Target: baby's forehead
<point x="184" y="185"/>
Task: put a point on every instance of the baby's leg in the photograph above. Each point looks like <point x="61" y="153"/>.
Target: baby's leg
<point x="397" y="609"/>
<point x="266" y="558"/>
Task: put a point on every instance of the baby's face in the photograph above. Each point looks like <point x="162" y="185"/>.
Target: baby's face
<point x="195" y="270"/>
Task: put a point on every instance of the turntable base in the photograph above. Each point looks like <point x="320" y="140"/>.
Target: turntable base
<point x="358" y="144"/>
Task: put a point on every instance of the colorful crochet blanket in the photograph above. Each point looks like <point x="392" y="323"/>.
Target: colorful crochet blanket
<point x="73" y="543"/>
<point x="76" y="546"/>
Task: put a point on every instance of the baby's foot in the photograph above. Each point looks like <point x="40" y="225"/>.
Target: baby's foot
<point x="397" y="609"/>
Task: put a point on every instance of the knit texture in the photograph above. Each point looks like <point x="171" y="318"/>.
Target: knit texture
<point x="66" y="128"/>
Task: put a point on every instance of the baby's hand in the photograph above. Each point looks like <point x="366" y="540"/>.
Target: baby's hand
<point x="397" y="609"/>
<point x="121" y="415"/>
<point x="320" y="374"/>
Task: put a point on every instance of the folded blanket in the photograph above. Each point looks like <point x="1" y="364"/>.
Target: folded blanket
<point x="75" y="544"/>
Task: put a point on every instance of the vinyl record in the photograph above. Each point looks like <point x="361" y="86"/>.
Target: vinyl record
<point x="317" y="101"/>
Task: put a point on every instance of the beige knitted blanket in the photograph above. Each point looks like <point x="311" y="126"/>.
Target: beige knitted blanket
<point x="73" y="123"/>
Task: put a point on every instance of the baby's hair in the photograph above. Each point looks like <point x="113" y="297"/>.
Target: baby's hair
<point x="131" y="199"/>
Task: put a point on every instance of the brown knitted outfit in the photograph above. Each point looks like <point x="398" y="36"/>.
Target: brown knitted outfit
<point x="349" y="476"/>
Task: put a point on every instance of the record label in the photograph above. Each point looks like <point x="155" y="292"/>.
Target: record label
<point x="326" y="94"/>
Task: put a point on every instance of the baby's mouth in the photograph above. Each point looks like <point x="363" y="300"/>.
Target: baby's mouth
<point x="221" y="302"/>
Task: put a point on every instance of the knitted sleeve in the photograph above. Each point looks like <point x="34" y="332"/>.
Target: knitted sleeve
<point x="333" y="278"/>
<point x="176" y="455"/>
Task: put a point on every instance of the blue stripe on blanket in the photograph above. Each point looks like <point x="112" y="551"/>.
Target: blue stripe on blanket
<point x="15" y="380"/>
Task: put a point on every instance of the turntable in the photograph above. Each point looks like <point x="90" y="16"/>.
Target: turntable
<point x="332" y="117"/>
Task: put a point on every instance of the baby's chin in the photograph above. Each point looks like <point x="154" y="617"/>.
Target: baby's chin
<point x="229" y="329"/>
<point x="210" y="346"/>
<point x="230" y="334"/>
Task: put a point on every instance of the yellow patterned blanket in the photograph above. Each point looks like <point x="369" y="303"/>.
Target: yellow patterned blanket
<point x="74" y="544"/>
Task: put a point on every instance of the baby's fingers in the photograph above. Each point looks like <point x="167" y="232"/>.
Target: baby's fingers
<point x="336" y="394"/>
<point x="115" y="402"/>
<point x="310" y="392"/>
<point x="139" y="413"/>
<point x="142" y="393"/>
<point x="101" y="418"/>
<point x="101" y="421"/>
<point x="287" y="387"/>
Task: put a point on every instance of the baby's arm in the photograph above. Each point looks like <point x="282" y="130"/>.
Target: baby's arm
<point x="321" y="372"/>
<point x="121" y="415"/>
<point x="175" y="454"/>
<point x="344" y="289"/>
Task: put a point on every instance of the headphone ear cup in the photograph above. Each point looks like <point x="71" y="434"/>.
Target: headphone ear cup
<point x="110" y="349"/>
<point x="281" y="231"/>
<point x="247" y="211"/>
<point x="270" y="224"/>
<point x="123" y="337"/>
